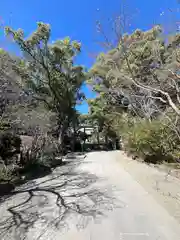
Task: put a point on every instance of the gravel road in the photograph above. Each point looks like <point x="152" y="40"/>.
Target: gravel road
<point x="88" y="198"/>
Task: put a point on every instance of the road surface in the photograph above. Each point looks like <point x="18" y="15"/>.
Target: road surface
<point x="90" y="198"/>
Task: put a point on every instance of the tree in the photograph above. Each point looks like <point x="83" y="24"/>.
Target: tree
<point x="9" y="88"/>
<point x="20" y="112"/>
<point x="142" y="69"/>
<point x="102" y="115"/>
<point x="48" y="70"/>
<point x="137" y="81"/>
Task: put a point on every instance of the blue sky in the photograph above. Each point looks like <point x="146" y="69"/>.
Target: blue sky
<point x="77" y="20"/>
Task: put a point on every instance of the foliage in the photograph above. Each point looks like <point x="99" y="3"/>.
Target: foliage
<point x="137" y="83"/>
<point x="48" y="70"/>
<point x="39" y="149"/>
<point x="5" y="175"/>
<point x="147" y="138"/>
<point x="10" y="90"/>
<point x="141" y="71"/>
<point x="20" y="112"/>
<point x="154" y="141"/>
<point x="39" y="93"/>
<point x="9" y="146"/>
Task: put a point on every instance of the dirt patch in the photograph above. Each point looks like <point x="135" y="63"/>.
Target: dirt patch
<point x="161" y="181"/>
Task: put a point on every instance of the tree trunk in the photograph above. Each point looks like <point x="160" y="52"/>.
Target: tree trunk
<point x="98" y="140"/>
<point x="74" y="137"/>
<point x="106" y="140"/>
<point x="61" y="133"/>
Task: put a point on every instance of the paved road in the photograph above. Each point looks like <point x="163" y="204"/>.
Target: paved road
<point x="86" y="199"/>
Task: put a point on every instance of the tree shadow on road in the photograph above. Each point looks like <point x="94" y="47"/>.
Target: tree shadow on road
<point x="51" y="203"/>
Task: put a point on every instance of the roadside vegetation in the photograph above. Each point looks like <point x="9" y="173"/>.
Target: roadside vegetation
<point x="39" y="94"/>
<point x="137" y="84"/>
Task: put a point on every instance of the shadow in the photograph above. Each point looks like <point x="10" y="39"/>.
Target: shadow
<point x="32" y="171"/>
<point x="65" y="197"/>
<point x="6" y="188"/>
<point x="35" y="171"/>
<point x="95" y="147"/>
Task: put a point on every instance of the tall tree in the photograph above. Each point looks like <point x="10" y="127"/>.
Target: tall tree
<point x="48" y="70"/>
<point x="143" y="70"/>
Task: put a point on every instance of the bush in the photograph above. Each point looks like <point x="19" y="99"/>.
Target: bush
<point x="42" y="152"/>
<point x="9" y="146"/>
<point x="153" y="141"/>
<point x="5" y="174"/>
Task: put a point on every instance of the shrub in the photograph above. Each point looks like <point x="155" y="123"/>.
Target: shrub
<point x="153" y="141"/>
<point x="9" y="146"/>
<point x="37" y="157"/>
<point x="41" y="151"/>
<point x="5" y="174"/>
